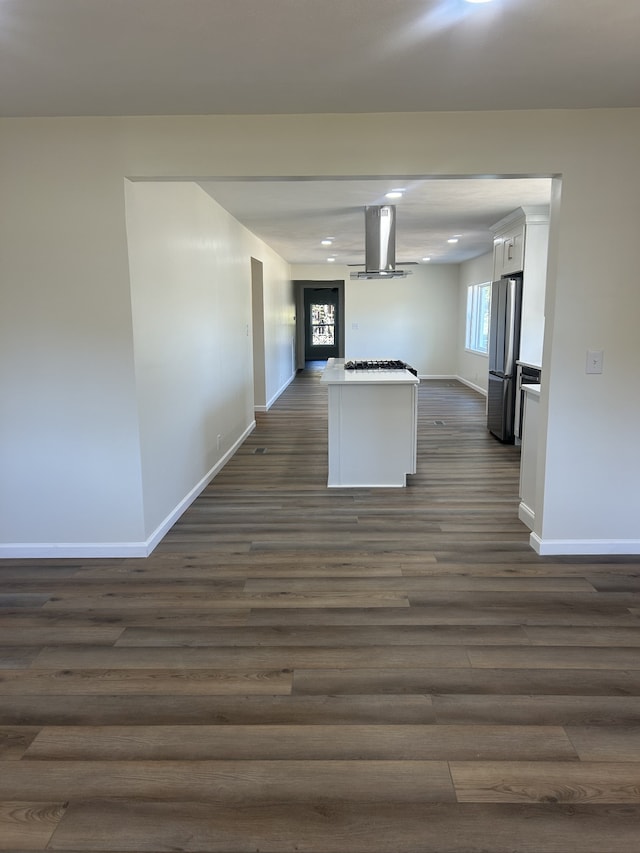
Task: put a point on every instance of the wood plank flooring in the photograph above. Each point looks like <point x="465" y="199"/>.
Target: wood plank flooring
<point x="327" y="671"/>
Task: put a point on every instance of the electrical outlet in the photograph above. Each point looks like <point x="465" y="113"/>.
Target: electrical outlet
<point x="595" y="360"/>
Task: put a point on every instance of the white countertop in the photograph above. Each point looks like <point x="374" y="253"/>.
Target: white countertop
<point x="532" y="389"/>
<point x="335" y="374"/>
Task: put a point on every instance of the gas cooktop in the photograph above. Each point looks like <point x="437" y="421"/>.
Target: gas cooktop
<point x="379" y="364"/>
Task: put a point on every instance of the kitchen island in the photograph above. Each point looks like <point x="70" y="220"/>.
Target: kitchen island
<point x="373" y="420"/>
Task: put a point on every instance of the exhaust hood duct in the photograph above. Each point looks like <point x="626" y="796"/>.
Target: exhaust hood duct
<point x="380" y="244"/>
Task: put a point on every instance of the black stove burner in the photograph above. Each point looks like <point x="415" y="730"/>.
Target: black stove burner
<point x="380" y="364"/>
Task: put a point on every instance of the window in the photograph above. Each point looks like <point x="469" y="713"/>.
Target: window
<point x="478" y="308"/>
<point x="323" y="325"/>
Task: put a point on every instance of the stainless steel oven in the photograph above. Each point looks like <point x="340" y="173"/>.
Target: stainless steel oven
<point x="525" y="375"/>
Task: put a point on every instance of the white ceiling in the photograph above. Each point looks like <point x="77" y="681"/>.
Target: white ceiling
<point x="135" y="57"/>
<point x="294" y="216"/>
<point x="177" y="57"/>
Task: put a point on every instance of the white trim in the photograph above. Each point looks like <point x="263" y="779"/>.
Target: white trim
<point x="472" y="386"/>
<point x="530" y="213"/>
<point x="526" y="515"/>
<point x="436" y="376"/>
<point x="93" y="550"/>
<point x="577" y="547"/>
<point x="275" y="396"/>
<point x="72" y="550"/>
<point x="367" y="485"/>
<point x="175" y="514"/>
<point x="456" y="378"/>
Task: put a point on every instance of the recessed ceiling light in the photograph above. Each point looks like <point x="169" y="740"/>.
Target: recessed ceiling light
<point x="331" y="260"/>
<point x="395" y="193"/>
<point x="478" y="1"/>
<point x="452" y="240"/>
<point x="426" y="259"/>
<point x="326" y="242"/>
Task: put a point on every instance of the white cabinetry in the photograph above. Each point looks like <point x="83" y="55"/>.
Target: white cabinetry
<point x="529" y="456"/>
<point x="373" y="425"/>
<point x="509" y="251"/>
<point x="520" y="245"/>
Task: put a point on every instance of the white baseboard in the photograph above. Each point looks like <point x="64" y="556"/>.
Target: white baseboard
<point x="456" y="378"/>
<point x="471" y="385"/>
<point x="118" y="550"/>
<point x="275" y="396"/>
<point x="186" y="502"/>
<point x="366" y="485"/>
<point x="72" y="550"/>
<point x="579" y="547"/>
<point x="526" y="515"/>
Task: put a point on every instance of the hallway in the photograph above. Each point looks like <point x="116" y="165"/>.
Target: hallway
<point x="327" y="671"/>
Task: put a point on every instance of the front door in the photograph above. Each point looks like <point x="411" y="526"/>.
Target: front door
<point x="321" y="323"/>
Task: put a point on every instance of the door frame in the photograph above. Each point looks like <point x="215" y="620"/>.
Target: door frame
<point x="326" y="296"/>
<point x="257" y="336"/>
<point x="306" y="284"/>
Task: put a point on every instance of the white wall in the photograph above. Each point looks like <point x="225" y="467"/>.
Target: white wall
<point x="114" y="395"/>
<point x="191" y="306"/>
<point x="257" y="319"/>
<point x="473" y="368"/>
<point x="68" y="388"/>
<point x="590" y="433"/>
<point x="190" y="268"/>
<point x="69" y="444"/>
<point x="414" y="319"/>
<point x="279" y="323"/>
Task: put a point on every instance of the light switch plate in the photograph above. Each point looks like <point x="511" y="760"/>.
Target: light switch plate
<point x="595" y="360"/>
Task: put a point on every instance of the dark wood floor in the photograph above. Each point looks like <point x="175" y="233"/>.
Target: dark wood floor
<point x="329" y="671"/>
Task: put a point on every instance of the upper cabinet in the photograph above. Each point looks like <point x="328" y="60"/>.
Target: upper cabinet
<point x="508" y="251"/>
<point x="520" y="245"/>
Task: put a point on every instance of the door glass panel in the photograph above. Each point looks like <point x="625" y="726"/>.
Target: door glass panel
<point x="323" y="325"/>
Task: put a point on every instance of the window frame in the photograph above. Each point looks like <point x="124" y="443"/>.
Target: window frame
<point x="478" y="318"/>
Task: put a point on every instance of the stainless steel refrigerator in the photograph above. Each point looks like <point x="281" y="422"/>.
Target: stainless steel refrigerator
<point x="504" y="347"/>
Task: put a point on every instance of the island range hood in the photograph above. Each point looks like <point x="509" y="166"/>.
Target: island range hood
<point x="380" y="244"/>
